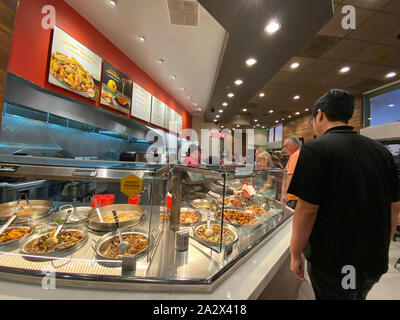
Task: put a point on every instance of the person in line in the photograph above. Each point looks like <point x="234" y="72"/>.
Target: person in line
<point x="263" y="159"/>
<point x="192" y="155"/>
<point x="292" y="147"/>
<point x="348" y="204"/>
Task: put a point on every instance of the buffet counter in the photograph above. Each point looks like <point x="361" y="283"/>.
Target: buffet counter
<point x="160" y="231"/>
<point x="258" y="271"/>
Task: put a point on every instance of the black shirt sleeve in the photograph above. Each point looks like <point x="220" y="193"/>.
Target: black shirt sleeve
<point x="307" y="180"/>
<point x="395" y="194"/>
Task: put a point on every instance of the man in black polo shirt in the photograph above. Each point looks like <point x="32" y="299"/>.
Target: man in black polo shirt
<point x="347" y="212"/>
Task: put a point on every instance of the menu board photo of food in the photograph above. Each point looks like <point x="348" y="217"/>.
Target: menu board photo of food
<point x="116" y="89"/>
<point x="74" y="67"/>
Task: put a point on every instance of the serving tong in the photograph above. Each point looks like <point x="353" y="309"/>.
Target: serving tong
<point x="16" y="211"/>
<point x="123" y="245"/>
<point x="53" y="241"/>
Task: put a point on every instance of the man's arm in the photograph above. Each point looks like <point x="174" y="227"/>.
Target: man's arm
<point x="303" y="223"/>
<point x="395" y="217"/>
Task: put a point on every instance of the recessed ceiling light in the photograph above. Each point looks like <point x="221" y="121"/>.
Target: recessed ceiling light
<point x="225" y="104"/>
<point x="251" y="61"/>
<point x="142" y="38"/>
<point x="182" y="89"/>
<point x="220" y="111"/>
<point x="239" y="82"/>
<point x="160" y="61"/>
<point x="296" y="97"/>
<point x="391" y="105"/>
<point x="172" y="77"/>
<point x="215" y="120"/>
<point x="271" y="111"/>
<point x="294" y="65"/>
<point x="222" y="127"/>
<point x="289" y="117"/>
<point x="195" y="104"/>
<point x="255" y="120"/>
<point x="244" y="110"/>
<point x="272" y="27"/>
<point x="238" y="126"/>
<point x="276" y="121"/>
<point x="391" y="75"/>
<point x="112" y="3"/>
<point x="262" y="94"/>
<point x="199" y="109"/>
<point x="258" y="125"/>
<point x="263" y="127"/>
<point x="230" y="95"/>
<point x="283" y="119"/>
<point x="345" y="69"/>
<point x="369" y="118"/>
<point x="217" y="116"/>
<point x="297" y="113"/>
<point x="307" y="109"/>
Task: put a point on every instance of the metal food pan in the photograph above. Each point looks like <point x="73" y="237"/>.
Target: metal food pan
<point x="40" y="208"/>
<point x="105" y="239"/>
<point x="13" y="244"/>
<point x="255" y="225"/>
<point x="94" y="223"/>
<point x="58" y="253"/>
<point x="77" y="217"/>
<point x="210" y="243"/>
<point x="191" y="211"/>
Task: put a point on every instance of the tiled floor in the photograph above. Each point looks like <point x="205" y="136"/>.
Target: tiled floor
<point x="388" y="288"/>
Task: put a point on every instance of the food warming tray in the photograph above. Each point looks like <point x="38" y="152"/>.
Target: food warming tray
<point x="210" y="243"/>
<point x="13" y="244"/>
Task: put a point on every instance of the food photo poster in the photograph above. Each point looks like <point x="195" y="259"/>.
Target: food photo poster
<point x="116" y="89"/>
<point x="74" y="67"/>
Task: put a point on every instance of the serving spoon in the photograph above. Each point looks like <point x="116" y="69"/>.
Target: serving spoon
<point x="53" y="241"/>
<point x="123" y="245"/>
<point x="97" y="209"/>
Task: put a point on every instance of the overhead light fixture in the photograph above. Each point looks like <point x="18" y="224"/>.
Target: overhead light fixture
<point x="255" y="120"/>
<point x="294" y="65"/>
<point x="217" y="116"/>
<point x="276" y="121"/>
<point x="199" y="109"/>
<point x="283" y="119"/>
<point x="112" y="3"/>
<point x="182" y="89"/>
<point x="160" y="61"/>
<point x="289" y="117"/>
<point x="238" y="82"/>
<point x="222" y="127"/>
<point x="307" y="109"/>
<point x="238" y="126"/>
<point x="215" y="120"/>
<point x="272" y="27"/>
<point x="244" y="110"/>
<point x="297" y="113"/>
<point x="190" y="98"/>
<point x="172" y="77"/>
<point x="220" y="111"/>
<point x="263" y="127"/>
<point x="271" y="111"/>
<point x="258" y="125"/>
<point x="345" y="69"/>
<point x="391" y="105"/>
<point x="251" y="61"/>
<point x="296" y="97"/>
<point x="230" y="95"/>
<point x="195" y="104"/>
<point x="141" y="38"/>
<point x="391" y="75"/>
<point x="262" y="94"/>
<point x="369" y="118"/>
<point x="225" y="104"/>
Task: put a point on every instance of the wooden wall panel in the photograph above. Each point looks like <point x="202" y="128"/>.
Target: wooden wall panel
<point x="8" y="9"/>
<point x="300" y="127"/>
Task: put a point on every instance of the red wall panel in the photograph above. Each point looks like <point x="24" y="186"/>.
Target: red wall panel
<point x="31" y="50"/>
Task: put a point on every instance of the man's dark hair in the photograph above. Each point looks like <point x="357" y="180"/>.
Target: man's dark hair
<point x="337" y="104"/>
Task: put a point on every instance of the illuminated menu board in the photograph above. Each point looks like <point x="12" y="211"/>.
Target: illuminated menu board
<point x="170" y="119"/>
<point x="141" y="103"/>
<point x="158" y="112"/>
<point x="278" y="133"/>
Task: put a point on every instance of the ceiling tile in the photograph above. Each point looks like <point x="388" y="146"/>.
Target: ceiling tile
<point x="282" y="77"/>
<point x="376" y="27"/>
<point x="345" y="49"/>
<point x="391" y="60"/>
<point x="345" y="82"/>
<point x="376" y="72"/>
<point x="393" y="7"/>
<point x="373" y="53"/>
<point x="303" y="61"/>
<point x="334" y="27"/>
<point x="321" y="66"/>
<point x="303" y="78"/>
<point x="393" y="38"/>
<point x="370" y="4"/>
